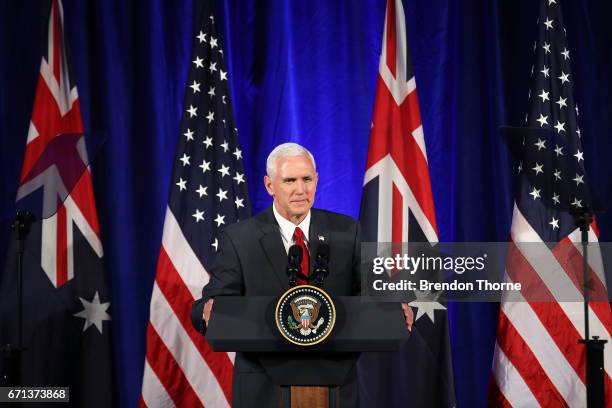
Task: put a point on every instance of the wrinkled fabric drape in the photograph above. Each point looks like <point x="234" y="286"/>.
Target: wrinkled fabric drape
<point x="300" y="71"/>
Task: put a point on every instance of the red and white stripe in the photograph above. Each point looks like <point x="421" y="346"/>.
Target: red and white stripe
<point x="538" y="360"/>
<point x="397" y="154"/>
<point x="180" y="368"/>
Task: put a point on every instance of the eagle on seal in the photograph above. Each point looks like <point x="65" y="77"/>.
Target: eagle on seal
<point x="306" y="312"/>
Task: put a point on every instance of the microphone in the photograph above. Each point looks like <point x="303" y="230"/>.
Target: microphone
<point x="294" y="261"/>
<point x="21" y="226"/>
<point x="321" y="269"/>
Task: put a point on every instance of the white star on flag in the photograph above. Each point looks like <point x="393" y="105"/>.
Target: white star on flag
<point x="93" y="312"/>
<point x="220" y="219"/>
<point x="199" y="215"/>
<point x="239" y="177"/>
<point x="544" y="95"/>
<point x="555" y="199"/>
<point x="543" y="120"/>
<point x="577" y="203"/>
<point x="192" y="111"/>
<point x="541" y="144"/>
<point x="195" y="86"/>
<point x="185" y="159"/>
<point x="538" y="168"/>
<point x="562" y="102"/>
<point x="535" y="193"/>
<point x="578" y="156"/>
<point x="548" y="23"/>
<point x="198" y="62"/>
<point x="202" y="191"/>
<point x="222" y="194"/>
<point x="554" y="223"/>
<point x="565" y="53"/>
<point x="208" y="141"/>
<point x="205" y="166"/>
<point x="224" y="170"/>
<point x="578" y="179"/>
<point x="426" y="304"/>
<point x="201" y="37"/>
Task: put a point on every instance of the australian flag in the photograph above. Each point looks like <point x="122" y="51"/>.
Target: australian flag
<point x="65" y="325"/>
<point x="397" y="207"/>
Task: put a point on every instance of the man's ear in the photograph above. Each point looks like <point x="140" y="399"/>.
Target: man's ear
<point x="268" y="184"/>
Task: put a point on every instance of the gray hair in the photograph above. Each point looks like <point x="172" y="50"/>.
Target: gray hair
<point x="286" y="150"/>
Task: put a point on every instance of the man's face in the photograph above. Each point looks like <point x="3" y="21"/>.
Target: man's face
<point x="293" y="187"/>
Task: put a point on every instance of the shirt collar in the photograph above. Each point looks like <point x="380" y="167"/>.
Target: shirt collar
<point x="287" y="228"/>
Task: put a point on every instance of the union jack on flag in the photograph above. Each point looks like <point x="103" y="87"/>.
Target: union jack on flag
<point x="56" y="160"/>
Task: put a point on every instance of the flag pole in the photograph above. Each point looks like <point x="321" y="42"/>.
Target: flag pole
<point x="594" y="346"/>
<point x="12" y="374"/>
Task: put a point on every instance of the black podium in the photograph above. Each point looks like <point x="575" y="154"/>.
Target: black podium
<point x="309" y="375"/>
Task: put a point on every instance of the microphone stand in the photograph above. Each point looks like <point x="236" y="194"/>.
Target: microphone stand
<point x="594" y="346"/>
<point x="293" y="267"/>
<point x="321" y="271"/>
<point x="13" y="354"/>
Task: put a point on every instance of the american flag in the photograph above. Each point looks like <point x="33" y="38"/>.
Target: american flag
<point x="397" y="206"/>
<point x="208" y="191"/>
<point x="66" y="327"/>
<point x="538" y="361"/>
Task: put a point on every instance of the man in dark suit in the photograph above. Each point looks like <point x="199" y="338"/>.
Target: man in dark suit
<point x="252" y="260"/>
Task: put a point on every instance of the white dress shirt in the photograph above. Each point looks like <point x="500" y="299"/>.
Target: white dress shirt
<point x="287" y="228"/>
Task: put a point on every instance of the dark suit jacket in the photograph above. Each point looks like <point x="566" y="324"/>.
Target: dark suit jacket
<point x="252" y="262"/>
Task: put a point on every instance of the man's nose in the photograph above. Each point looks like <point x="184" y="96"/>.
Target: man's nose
<point x="300" y="187"/>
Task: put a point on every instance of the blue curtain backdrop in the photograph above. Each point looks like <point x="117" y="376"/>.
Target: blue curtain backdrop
<point x="301" y="71"/>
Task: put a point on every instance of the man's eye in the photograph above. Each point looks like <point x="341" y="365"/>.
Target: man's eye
<point x="289" y="181"/>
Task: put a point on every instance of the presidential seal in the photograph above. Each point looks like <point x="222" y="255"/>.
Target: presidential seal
<point x="305" y="315"/>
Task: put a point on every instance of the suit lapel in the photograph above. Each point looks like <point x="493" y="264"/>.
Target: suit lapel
<point x="316" y="234"/>
<point x="273" y="248"/>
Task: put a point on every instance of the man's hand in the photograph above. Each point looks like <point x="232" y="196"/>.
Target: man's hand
<point x="207" y="309"/>
<point x="408" y="316"/>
